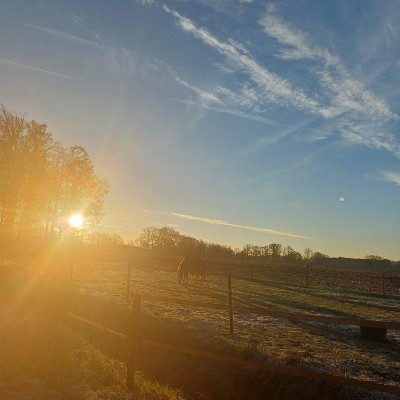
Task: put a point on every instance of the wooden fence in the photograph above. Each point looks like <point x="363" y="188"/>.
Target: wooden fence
<point x="133" y="340"/>
<point x="378" y="282"/>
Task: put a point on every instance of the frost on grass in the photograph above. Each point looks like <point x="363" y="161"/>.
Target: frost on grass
<point x="333" y="349"/>
<point x="42" y="359"/>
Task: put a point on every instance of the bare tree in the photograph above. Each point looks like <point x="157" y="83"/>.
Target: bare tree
<point x="308" y="254"/>
<point x="275" y="250"/>
<point x="41" y="182"/>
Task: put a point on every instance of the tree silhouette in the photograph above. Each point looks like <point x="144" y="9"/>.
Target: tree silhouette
<point x="41" y="182"/>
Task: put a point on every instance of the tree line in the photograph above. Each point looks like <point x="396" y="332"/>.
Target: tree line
<point x="167" y="239"/>
<point x="42" y="182"/>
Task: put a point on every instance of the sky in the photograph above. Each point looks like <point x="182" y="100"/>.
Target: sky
<point x="232" y="121"/>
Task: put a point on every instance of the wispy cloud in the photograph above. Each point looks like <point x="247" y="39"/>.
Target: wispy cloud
<point x="259" y="144"/>
<point x="145" y="2"/>
<point x="116" y="60"/>
<point x="207" y="97"/>
<point x="241" y="226"/>
<point x="223" y="100"/>
<point x="235" y="112"/>
<point x="369" y="133"/>
<point x="76" y="19"/>
<point x="275" y="88"/>
<point x="248" y="97"/>
<point x="390" y="176"/>
<point x="121" y="61"/>
<point x="349" y="93"/>
<point x="214" y="221"/>
<point x="59" y="34"/>
<point x="10" y="63"/>
<point x="361" y="116"/>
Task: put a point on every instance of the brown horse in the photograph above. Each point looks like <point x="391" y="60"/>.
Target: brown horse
<point x="192" y="265"/>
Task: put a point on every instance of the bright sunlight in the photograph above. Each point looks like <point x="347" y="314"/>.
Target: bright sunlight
<point x="76" y="220"/>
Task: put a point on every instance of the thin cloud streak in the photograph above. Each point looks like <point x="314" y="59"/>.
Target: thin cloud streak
<point x="214" y="221"/>
<point x="237" y="113"/>
<point x="349" y="93"/>
<point x="371" y="134"/>
<point x="233" y="225"/>
<point x="60" y="34"/>
<point x="118" y="61"/>
<point x="77" y="20"/>
<point x="276" y="89"/>
<point x="30" y="68"/>
<point x="390" y="176"/>
<point x="204" y="95"/>
<point x="360" y="115"/>
<point x="257" y="145"/>
<point x="226" y="99"/>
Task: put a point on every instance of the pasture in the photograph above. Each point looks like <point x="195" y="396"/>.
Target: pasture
<point x="334" y="349"/>
<point x="96" y="288"/>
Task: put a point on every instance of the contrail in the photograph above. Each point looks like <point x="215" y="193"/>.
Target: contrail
<point x="24" y="66"/>
<point x="231" y="224"/>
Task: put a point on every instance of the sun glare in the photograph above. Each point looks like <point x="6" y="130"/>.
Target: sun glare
<point x="76" y="220"/>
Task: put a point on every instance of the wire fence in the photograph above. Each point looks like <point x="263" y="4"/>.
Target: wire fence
<point x="121" y="281"/>
<point x="385" y="282"/>
<point x="134" y="341"/>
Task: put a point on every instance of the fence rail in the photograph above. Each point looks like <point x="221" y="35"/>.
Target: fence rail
<point x="385" y="282"/>
<point x="226" y="305"/>
<point x="220" y="357"/>
<point x="279" y="314"/>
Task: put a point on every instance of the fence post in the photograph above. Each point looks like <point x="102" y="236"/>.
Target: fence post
<point x="230" y="305"/>
<point x="133" y="341"/>
<point x="307" y="277"/>
<point x="128" y="281"/>
<point x="383" y="284"/>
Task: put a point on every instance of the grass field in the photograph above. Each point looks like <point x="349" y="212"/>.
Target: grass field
<point x="333" y="349"/>
<point x="338" y="350"/>
<point x="41" y="359"/>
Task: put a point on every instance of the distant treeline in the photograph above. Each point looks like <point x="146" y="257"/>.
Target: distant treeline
<point x="167" y="239"/>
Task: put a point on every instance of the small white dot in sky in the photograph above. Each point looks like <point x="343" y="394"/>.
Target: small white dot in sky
<point x="341" y="198"/>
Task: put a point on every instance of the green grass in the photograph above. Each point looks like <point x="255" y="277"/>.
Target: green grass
<point x="337" y="350"/>
<point x="333" y="349"/>
<point x="43" y="360"/>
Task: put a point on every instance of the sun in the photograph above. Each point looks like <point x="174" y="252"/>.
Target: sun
<point x="76" y="220"/>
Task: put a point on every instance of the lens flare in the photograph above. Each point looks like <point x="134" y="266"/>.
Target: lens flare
<point x="76" y="220"/>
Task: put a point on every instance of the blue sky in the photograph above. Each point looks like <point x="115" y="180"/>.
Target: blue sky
<point x="233" y="121"/>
